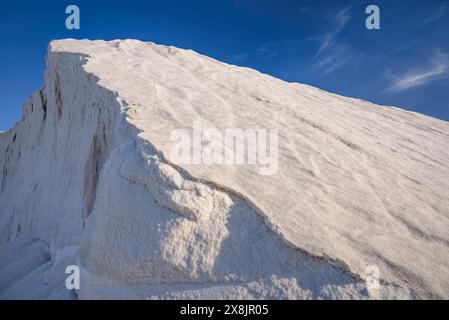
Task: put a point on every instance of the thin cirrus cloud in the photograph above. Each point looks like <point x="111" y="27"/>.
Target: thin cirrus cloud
<point x="276" y="48"/>
<point x="331" y="54"/>
<point x="270" y="50"/>
<point x="238" y="57"/>
<point x="437" y="67"/>
<point x="332" y="60"/>
<point x="328" y="40"/>
<point x="439" y="12"/>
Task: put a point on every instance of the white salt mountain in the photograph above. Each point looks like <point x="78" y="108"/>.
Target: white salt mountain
<point x="88" y="178"/>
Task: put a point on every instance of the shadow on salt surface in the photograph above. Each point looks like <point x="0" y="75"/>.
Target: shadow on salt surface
<point x="227" y="252"/>
<point x="274" y="269"/>
<point x="28" y="271"/>
<point x="239" y="255"/>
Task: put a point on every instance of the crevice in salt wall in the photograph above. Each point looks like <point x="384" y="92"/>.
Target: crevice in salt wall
<point x="4" y="174"/>
<point x="5" y="168"/>
<point x="92" y="170"/>
<point x="43" y="102"/>
<point x="58" y="96"/>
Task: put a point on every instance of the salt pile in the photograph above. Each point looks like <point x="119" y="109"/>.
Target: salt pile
<point x="89" y="177"/>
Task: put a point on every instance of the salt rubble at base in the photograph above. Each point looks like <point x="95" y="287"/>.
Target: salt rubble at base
<point x="87" y="172"/>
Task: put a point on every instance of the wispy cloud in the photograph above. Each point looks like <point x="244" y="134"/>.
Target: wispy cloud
<point x="439" y="12"/>
<point x="333" y="60"/>
<point x="238" y="57"/>
<point x="276" y="48"/>
<point x="328" y="40"/>
<point x="437" y="67"/>
<point x="331" y="54"/>
<point x="270" y="49"/>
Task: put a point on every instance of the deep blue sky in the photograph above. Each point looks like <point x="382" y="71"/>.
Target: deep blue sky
<point x="321" y="43"/>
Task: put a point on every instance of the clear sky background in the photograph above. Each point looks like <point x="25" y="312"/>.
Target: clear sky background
<point x="321" y="43"/>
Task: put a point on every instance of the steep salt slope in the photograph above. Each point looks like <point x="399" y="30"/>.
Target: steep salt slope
<point x="52" y="158"/>
<point x="355" y="184"/>
<point x="30" y="272"/>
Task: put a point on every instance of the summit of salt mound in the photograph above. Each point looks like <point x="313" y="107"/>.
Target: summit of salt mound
<point x="356" y="184"/>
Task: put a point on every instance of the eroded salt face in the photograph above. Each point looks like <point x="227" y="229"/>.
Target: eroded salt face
<point x="355" y="184"/>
